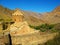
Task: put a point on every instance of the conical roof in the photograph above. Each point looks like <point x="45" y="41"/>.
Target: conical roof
<point x="17" y="12"/>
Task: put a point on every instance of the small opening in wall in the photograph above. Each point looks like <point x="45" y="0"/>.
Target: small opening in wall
<point x="4" y="26"/>
<point x="15" y="19"/>
<point x="6" y="43"/>
<point x="10" y="41"/>
<point x="19" y="44"/>
<point x="38" y="44"/>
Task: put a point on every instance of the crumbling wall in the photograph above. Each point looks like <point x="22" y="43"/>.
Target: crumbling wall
<point x="4" y="40"/>
<point x="32" y="39"/>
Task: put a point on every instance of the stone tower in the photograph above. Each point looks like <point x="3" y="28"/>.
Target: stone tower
<point x="20" y="29"/>
<point x="17" y="16"/>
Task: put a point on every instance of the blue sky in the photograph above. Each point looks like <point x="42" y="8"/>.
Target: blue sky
<point x="31" y="5"/>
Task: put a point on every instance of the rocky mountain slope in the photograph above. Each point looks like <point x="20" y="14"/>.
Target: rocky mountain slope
<point x="33" y="18"/>
<point x="5" y="14"/>
<point x="52" y="17"/>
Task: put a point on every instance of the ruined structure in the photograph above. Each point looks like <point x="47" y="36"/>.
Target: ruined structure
<point x="4" y="33"/>
<point x="22" y="34"/>
<point x="19" y="28"/>
<point x="19" y="33"/>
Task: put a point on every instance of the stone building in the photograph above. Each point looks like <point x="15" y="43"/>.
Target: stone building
<point x="17" y="16"/>
<point x="19" y="33"/>
<point x="4" y="33"/>
<point x="22" y="34"/>
<point x="19" y="28"/>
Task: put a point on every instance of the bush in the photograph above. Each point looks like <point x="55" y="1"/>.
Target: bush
<point x="1" y="19"/>
<point x="43" y="27"/>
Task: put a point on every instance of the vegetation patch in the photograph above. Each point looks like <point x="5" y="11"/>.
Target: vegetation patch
<point x="47" y="27"/>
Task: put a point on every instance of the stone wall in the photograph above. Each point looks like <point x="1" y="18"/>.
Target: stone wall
<point x="32" y="39"/>
<point x="17" y="18"/>
<point x="4" y="40"/>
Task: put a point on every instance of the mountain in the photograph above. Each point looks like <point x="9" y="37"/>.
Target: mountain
<point x="52" y="17"/>
<point x="32" y="18"/>
<point x="5" y="14"/>
<point x="57" y="9"/>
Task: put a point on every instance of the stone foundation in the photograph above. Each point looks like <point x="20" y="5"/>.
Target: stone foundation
<point x="32" y="39"/>
<point x="4" y="40"/>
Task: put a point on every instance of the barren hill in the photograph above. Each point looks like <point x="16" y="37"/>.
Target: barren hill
<point x="5" y="14"/>
<point x="33" y="18"/>
<point x="52" y="17"/>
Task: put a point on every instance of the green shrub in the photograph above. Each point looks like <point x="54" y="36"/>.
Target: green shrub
<point x="43" y="27"/>
<point x="1" y="19"/>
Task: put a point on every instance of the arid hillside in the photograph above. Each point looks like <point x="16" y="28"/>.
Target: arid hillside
<point x="5" y="14"/>
<point x="33" y="18"/>
<point x="52" y="17"/>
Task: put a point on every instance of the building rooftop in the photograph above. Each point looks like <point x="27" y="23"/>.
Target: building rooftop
<point x="17" y="12"/>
